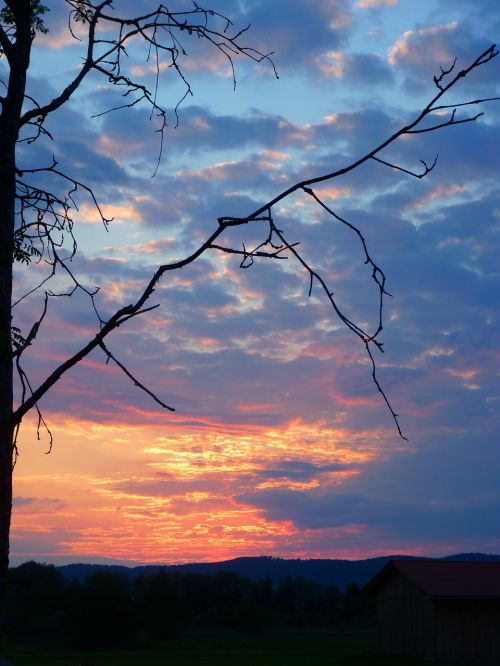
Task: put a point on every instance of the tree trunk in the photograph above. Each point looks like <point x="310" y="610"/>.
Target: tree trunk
<point x="7" y="200"/>
<point x="7" y="203"/>
<point x="18" y="56"/>
<point x="5" y="513"/>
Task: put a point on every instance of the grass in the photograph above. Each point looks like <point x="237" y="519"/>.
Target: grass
<point x="295" y="650"/>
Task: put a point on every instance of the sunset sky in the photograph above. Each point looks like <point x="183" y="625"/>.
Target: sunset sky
<point x="280" y="443"/>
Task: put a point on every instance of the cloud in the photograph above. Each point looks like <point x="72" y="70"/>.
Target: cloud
<point x="367" y="68"/>
<point x="373" y="4"/>
<point x="389" y="519"/>
<point x="415" y="501"/>
<point x="358" y="68"/>
<point x="281" y="443"/>
<point x="200" y="130"/>
<point x="409" y="47"/>
<point x="277" y="29"/>
<point x="435" y="49"/>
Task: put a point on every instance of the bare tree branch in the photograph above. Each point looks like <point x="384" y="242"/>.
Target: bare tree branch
<point x="41" y="112"/>
<point x="427" y="168"/>
<point x="472" y="101"/>
<point x="136" y="382"/>
<point x="444" y="74"/>
<point x="20" y="348"/>
<point x="271" y="250"/>
<point x="151" y="28"/>
<point x="448" y="123"/>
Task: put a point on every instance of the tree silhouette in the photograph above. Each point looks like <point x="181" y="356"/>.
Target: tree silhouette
<point x="37" y="204"/>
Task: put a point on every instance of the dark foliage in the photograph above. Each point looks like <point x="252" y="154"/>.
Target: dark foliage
<point x="101" y="612"/>
<point x="36" y="599"/>
<point x="109" y="610"/>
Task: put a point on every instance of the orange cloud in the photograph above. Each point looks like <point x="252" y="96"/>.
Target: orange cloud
<point x="440" y="192"/>
<point x="60" y="38"/>
<point x="330" y="192"/>
<point x="331" y="118"/>
<point x="171" y="497"/>
<point x="147" y="69"/>
<point x="155" y="246"/>
<point x="277" y="155"/>
<point x="256" y="407"/>
<point x="331" y="63"/>
<point x="90" y="215"/>
<point x="466" y="375"/>
<point x="218" y="171"/>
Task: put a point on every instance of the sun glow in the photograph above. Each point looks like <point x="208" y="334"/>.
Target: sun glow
<point x="176" y="494"/>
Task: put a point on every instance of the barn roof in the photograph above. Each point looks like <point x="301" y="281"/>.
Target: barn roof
<point x="446" y="578"/>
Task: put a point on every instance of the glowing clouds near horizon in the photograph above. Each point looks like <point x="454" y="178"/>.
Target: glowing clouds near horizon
<point x="174" y="497"/>
<point x="281" y="443"/>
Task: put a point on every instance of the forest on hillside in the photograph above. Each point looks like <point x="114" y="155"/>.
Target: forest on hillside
<point x="110" y="610"/>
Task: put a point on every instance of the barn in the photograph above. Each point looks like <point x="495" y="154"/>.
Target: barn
<point x="438" y="609"/>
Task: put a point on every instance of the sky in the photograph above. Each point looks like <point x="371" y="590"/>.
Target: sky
<point x="280" y="444"/>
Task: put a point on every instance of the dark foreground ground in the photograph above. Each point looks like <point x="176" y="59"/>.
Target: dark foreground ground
<point x="291" y="650"/>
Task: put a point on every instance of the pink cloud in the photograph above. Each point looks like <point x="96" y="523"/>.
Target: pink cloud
<point x="418" y="46"/>
<point x="331" y="63"/>
<point x="438" y="194"/>
<point x="373" y="4"/>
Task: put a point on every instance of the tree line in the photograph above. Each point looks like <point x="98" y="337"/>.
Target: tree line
<point x="112" y="610"/>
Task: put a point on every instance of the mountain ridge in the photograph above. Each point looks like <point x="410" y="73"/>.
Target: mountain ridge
<point x="322" y="571"/>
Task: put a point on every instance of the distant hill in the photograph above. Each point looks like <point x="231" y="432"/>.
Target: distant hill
<point x="324" y="572"/>
<point x="472" y="556"/>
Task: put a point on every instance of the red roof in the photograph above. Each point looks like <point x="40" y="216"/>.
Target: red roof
<point x="448" y="578"/>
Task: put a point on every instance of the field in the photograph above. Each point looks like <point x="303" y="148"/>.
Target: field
<point x="298" y="650"/>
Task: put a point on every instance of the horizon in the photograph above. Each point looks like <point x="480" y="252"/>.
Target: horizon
<point x="103" y="561"/>
<point x="281" y="444"/>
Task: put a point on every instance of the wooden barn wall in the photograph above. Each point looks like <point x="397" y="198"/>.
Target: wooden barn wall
<point x="404" y="618"/>
<point x="467" y="629"/>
